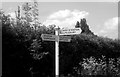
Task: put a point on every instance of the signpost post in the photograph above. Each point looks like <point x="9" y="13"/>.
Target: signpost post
<point x="57" y="54"/>
<point x="57" y="38"/>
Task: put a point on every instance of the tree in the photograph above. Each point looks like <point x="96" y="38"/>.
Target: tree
<point x="77" y="25"/>
<point x="31" y="14"/>
<point x="84" y="27"/>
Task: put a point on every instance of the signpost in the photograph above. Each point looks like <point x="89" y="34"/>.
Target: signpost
<point x="58" y="37"/>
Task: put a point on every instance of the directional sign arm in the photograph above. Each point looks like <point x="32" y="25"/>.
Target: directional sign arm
<point x="70" y="31"/>
<point x="48" y="37"/>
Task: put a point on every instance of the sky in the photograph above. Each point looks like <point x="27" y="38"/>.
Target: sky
<point x="61" y="0"/>
<point x="101" y="16"/>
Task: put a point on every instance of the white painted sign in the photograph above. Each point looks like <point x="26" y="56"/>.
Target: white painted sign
<point x="70" y="31"/>
<point x="49" y="37"/>
<point x="64" y="38"/>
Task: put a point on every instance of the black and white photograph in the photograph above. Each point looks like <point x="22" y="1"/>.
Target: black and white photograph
<point x="59" y="38"/>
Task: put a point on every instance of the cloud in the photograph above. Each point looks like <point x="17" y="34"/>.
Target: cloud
<point x="111" y="23"/>
<point x="110" y="28"/>
<point x="60" y="14"/>
<point x="65" y="18"/>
